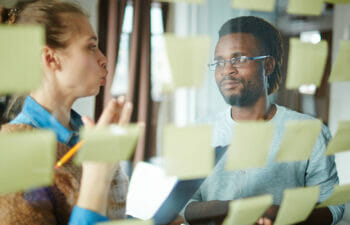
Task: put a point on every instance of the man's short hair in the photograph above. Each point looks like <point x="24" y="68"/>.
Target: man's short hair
<point x="268" y="37"/>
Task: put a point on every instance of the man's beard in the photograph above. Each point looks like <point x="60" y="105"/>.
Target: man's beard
<point x="251" y="91"/>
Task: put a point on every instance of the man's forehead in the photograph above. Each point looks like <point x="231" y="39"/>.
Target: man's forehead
<point x="237" y="43"/>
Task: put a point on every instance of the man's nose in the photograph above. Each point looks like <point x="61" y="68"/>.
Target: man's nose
<point x="229" y="69"/>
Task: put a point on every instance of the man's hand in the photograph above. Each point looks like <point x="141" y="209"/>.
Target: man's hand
<point x="269" y="216"/>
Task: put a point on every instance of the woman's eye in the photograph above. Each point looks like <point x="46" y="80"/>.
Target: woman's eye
<point x="92" y="47"/>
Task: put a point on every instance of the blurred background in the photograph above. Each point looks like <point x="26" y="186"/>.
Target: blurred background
<point x="131" y="35"/>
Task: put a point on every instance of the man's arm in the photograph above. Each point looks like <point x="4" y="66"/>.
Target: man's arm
<point x="216" y="211"/>
<point x="319" y="216"/>
<point x="204" y="212"/>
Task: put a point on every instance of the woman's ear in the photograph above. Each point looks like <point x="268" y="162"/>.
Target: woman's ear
<point x="50" y="59"/>
<point x="269" y="65"/>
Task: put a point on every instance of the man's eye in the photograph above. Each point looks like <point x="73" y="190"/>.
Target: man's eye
<point x="242" y="59"/>
<point x="220" y="63"/>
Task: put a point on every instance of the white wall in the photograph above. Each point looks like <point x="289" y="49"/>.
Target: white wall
<point x="340" y="92"/>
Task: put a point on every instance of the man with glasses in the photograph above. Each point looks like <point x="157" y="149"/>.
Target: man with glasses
<point x="247" y="63"/>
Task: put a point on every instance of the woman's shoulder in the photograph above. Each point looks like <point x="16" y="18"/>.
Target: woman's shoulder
<point x="11" y="128"/>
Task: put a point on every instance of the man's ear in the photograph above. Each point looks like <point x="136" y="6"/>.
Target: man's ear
<point x="50" y="58"/>
<point x="269" y="65"/>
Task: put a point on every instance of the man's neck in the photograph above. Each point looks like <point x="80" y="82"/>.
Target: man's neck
<point x="261" y="110"/>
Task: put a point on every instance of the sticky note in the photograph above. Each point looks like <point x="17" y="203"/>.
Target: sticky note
<point x="247" y="211"/>
<point x="341" y="195"/>
<point x="337" y="1"/>
<point x="297" y="204"/>
<point x="188" y="58"/>
<point x="250" y="145"/>
<point x="298" y="140"/>
<point x="26" y="160"/>
<point x="108" y="144"/>
<point x="341" y="140"/>
<point x="187" y="151"/>
<point x="341" y="67"/>
<point x="302" y="7"/>
<point x="188" y="1"/>
<point x="257" y="5"/>
<point x="128" y="222"/>
<point x="20" y="56"/>
<point x="306" y="63"/>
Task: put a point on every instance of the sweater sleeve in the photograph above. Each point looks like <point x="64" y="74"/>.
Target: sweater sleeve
<point x="82" y="216"/>
<point x="32" y="207"/>
<point x="322" y="171"/>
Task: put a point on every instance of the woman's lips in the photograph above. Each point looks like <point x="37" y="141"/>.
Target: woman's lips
<point x="103" y="81"/>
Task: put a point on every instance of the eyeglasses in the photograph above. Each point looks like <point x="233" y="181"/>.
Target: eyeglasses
<point x="239" y="61"/>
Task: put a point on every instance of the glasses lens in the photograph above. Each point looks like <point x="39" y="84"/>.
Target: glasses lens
<point x="240" y="61"/>
<point x="212" y="66"/>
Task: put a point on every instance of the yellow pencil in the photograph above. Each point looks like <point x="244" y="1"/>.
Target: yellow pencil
<point x="69" y="154"/>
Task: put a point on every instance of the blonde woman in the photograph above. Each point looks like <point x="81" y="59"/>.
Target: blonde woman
<point x="73" y="67"/>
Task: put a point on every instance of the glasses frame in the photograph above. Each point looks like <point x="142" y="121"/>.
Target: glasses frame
<point x="233" y="60"/>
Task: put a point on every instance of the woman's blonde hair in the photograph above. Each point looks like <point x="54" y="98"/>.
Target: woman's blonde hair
<point x="59" y="31"/>
<point x="51" y="14"/>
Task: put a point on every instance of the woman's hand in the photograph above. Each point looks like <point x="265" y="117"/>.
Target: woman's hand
<point x="97" y="176"/>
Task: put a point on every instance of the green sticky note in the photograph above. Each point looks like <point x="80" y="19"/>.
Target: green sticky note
<point x="306" y="63"/>
<point x="250" y="145"/>
<point x="108" y="144"/>
<point x="187" y="151"/>
<point x="26" y="160"/>
<point x="20" y="54"/>
<point x="298" y="140"/>
<point x="337" y="1"/>
<point x="341" y="67"/>
<point x="247" y="211"/>
<point x="297" y="204"/>
<point x="341" y="140"/>
<point x="341" y="195"/>
<point x="188" y="58"/>
<point x="257" y="5"/>
<point x="128" y="222"/>
<point x="188" y="1"/>
<point x="302" y="7"/>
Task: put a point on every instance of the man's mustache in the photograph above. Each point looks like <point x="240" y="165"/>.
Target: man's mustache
<point x="235" y="79"/>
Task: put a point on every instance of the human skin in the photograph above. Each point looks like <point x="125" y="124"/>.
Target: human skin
<point x="232" y="81"/>
<point x="79" y="70"/>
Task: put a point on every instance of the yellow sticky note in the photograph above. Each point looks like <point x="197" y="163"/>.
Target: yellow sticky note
<point x="306" y="63"/>
<point x="337" y="1"/>
<point x="298" y="140"/>
<point x="187" y="151"/>
<point x="128" y="222"/>
<point x="302" y="7"/>
<point x="247" y="211"/>
<point x="341" y="67"/>
<point x="188" y="1"/>
<point x="108" y="144"/>
<point x="26" y="160"/>
<point x="341" y="140"/>
<point x="250" y="145"/>
<point x="341" y="195"/>
<point x="188" y="58"/>
<point x="297" y="204"/>
<point x="20" y="54"/>
<point x="257" y="5"/>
